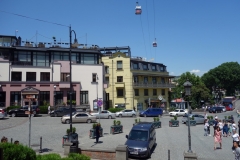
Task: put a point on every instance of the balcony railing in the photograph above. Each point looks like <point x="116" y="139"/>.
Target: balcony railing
<point x="153" y="85"/>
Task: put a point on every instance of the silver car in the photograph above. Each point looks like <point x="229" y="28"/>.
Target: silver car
<point x="79" y="117"/>
<point x="197" y="117"/>
<point x="126" y="113"/>
<point x="104" y="114"/>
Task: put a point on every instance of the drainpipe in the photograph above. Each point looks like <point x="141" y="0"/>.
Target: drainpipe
<point x="52" y="71"/>
<point x="112" y="87"/>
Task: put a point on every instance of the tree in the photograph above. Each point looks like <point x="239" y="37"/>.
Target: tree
<point x="226" y="76"/>
<point x="198" y="91"/>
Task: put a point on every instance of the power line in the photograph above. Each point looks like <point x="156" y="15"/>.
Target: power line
<point x="34" y="18"/>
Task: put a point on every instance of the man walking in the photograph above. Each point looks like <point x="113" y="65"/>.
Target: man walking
<point x="237" y="150"/>
<point x="49" y="109"/>
<point x="97" y="132"/>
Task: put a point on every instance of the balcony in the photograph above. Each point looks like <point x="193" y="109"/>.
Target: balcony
<point x="152" y="85"/>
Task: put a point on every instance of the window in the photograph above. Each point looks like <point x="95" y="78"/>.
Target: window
<point x="65" y="77"/>
<point x="73" y="97"/>
<point x="135" y="79"/>
<point x="44" y="97"/>
<point x="87" y="58"/>
<point x="154" y="80"/>
<point x="154" y="92"/>
<point x="119" y="65"/>
<point x="120" y="92"/>
<point x="41" y="59"/>
<point x="145" y="92"/>
<point x="154" y="68"/>
<point x="94" y="77"/>
<point x="119" y="78"/>
<point x="145" y="67"/>
<point x="60" y="56"/>
<point x="16" y="76"/>
<point x="22" y="58"/>
<point x="84" y="97"/>
<point x="163" y="92"/>
<point x="59" y="98"/>
<point x="135" y="65"/>
<point x="15" y="98"/>
<point x="145" y="79"/>
<point x="106" y="69"/>
<point x="31" y="76"/>
<point x="45" y="76"/>
<point x="161" y="68"/>
<point x="136" y="92"/>
<point x="163" y="80"/>
<point x="107" y="79"/>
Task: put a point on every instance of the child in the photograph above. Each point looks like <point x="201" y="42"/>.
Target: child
<point x="225" y="130"/>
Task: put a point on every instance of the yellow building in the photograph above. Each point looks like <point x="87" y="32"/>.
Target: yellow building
<point x="132" y="82"/>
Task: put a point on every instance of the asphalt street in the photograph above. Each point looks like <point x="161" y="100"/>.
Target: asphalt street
<point x="174" y="139"/>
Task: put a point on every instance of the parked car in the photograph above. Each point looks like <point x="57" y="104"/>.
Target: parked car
<point x="61" y="111"/>
<point x="3" y="114"/>
<point x="215" y="109"/>
<point x="141" y="140"/>
<point x="104" y="114"/>
<point x="126" y="113"/>
<point x="223" y="108"/>
<point x="21" y="111"/>
<point x="228" y="108"/>
<point x="151" y="112"/>
<point x="197" y="117"/>
<point x="178" y="112"/>
<point x="79" y="117"/>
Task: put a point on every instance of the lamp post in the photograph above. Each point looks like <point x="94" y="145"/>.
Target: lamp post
<point x="70" y="61"/>
<point x="125" y="98"/>
<point x="97" y="98"/>
<point x="54" y="98"/>
<point x="187" y="86"/>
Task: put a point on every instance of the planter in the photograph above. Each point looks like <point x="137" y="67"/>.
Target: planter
<point x="92" y="133"/>
<point x="157" y="124"/>
<point x="174" y="123"/>
<point x="211" y="122"/>
<point x="192" y="123"/>
<point x="116" y="129"/>
<point x="227" y="120"/>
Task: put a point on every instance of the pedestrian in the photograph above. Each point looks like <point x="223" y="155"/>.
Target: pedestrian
<point x="49" y="109"/>
<point x="206" y="125"/>
<point x="237" y="150"/>
<point x="215" y="125"/>
<point x="217" y="137"/>
<point x="238" y="113"/>
<point x="97" y="132"/>
<point x="205" y="117"/>
<point x="220" y="124"/>
<point x="234" y="126"/>
<point x="229" y="129"/>
<point x="134" y="108"/>
<point x="225" y="130"/>
<point x="232" y="118"/>
<point x="239" y="127"/>
<point x="236" y="138"/>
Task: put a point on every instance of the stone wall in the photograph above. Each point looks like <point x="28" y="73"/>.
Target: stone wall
<point x="106" y="154"/>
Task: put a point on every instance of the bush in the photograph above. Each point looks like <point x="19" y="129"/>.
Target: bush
<point x="43" y="109"/>
<point x="17" y="152"/>
<point x="12" y="107"/>
<point x="114" y="110"/>
<point x="171" y="109"/>
<point x="75" y="156"/>
<point x="54" y="156"/>
<point x="51" y="156"/>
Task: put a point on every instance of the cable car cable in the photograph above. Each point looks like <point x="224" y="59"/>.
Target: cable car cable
<point x="143" y="36"/>
<point x="148" y="28"/>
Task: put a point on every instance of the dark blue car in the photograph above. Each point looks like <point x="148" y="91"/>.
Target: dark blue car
<point x="151" y="112"/>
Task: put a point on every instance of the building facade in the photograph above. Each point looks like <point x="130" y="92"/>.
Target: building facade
<point x="134" y="82"/>
<point x="45" y="73"/>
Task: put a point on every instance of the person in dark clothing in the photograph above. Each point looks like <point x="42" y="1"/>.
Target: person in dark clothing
<point x="232" y="119"/>
<point x="97" y="132"/>
<point x="239" y="127"/>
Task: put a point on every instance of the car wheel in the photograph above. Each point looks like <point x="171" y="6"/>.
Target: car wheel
<point x="13" y="114"/>
<point x="67" y="121"/>
<point x="55" y="115"/>
<point x="120" y="115"/>
<point x="133" y="115"/>
<point x="89" y="121"/>
<point x="109" y="117"/>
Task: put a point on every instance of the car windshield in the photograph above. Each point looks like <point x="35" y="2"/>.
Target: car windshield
<point x="138" y="135"/>
<point x="176" y="110"/>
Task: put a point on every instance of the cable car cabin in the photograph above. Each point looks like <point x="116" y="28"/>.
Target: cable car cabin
<point x="154" y="44"/>
<point x="138" y="10"/>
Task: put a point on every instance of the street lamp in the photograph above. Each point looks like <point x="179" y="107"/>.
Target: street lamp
<point x="70" y="59"/>
<point x="187" y="86"/>
<point x="54" y="100"/>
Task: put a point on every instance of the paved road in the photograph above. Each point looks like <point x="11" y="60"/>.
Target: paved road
<point x="175" y="139"/>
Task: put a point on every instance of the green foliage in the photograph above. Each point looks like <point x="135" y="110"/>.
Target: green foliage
<point x="76" y="156"/>
<point x="115" y="122"/>
<point x="137" y="120"/>
<point x="118" y="122"/>
<point x="154" y="119"/>
<point x="68" y="131"/>
<point x="54" y="156"/>
<point x="157" y="119"/>
<point x="225" y="76"/>
<point x="74" y="129"/>
<point x="171" y="109"/>
<point x="192" y="118"/>
<point x="175" y="118"/>
<point x="94" y="125"/>
<point x="208" y="117"/>
<point x="211" y="117"/>
<point x="114" y="110"/>
<point x="73" y="102"/>
<point x="12" y="107"/>
<point x="17" y="152"/>
<point x="43" y="109"/>
<point x="225" y="117"/>
<point x="229" y="117"/>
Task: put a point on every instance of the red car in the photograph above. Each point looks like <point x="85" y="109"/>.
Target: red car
<point x="228" y="108"/>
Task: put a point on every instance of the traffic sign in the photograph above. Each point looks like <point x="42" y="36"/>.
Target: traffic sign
<point x="99" y="103"/>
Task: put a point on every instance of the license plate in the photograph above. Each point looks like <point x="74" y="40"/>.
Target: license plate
<point x="134" y="152"/>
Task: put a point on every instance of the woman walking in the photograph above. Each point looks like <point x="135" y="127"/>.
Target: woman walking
<point x="236" y="138"/>
<point x="225" y="130"/>
<point x="206" y="125"/>
<point x="229" y="129"/>
<point x="218" y="137"/>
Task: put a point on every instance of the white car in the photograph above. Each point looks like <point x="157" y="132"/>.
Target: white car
<point x="2" y="114"/>
<point x="104" y="114"/>
<point x="178" y="112"/>
<point x="126" y="113"/>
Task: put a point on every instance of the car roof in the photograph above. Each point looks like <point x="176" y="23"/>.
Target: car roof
<point x="143" y="126"/>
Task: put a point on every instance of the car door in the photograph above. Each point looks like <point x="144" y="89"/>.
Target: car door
<point x="196" y="118"/>
<point x="76" y="118"/>
<point x="22" y="110"/>
<point x="104" y="114"/>
<point x="181" y="112"/>
<point x="201" y="118"/>
<point x="124" y="112"/>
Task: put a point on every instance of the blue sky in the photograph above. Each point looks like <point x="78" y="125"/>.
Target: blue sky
<point x="192" y="35"/>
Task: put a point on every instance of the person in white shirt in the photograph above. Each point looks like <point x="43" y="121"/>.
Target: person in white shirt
<point x="235" y="137"/>
<point x="49" y="109"/>
<point x="205" y="117"/>
<point x="206" y="125"/>
<point x="234" y="126"/>
<point x="220" y="124"/>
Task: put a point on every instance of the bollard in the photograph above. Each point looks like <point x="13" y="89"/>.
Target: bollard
<point x="1" y="153"/>
<point x="11" y="140"/>
<point x="168" y="154"/>
<point x="40" y="151"/>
